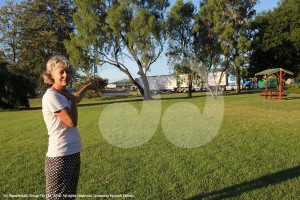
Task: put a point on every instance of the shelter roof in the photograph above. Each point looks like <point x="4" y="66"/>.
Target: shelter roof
<point x="273" y="71"/>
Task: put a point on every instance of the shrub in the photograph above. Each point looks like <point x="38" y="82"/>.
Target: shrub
<point x="14" y="89"/>
<point x="294" y="88"/>
<point x="83" y="80"/>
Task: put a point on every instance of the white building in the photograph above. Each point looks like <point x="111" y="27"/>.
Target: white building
<point x="111" y="86"/>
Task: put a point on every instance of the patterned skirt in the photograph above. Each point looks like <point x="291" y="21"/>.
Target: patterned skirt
<point x="62" y="174"/>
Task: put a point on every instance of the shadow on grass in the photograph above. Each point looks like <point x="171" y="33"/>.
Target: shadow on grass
<point x="128" y="99"/>
<point x="207" y="94"/>
<point x="181" y="97"/>
<point x="108" y="102"/>
<point x="233" y="93"/>
<point x="119" y="99"/>
<point x="292" y="98"/>
<point x="264" y="181"/>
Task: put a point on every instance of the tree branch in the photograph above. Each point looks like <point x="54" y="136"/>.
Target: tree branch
<point x="158" y="55"/>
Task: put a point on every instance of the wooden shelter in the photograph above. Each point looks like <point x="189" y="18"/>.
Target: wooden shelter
<point x="279" y="72"/>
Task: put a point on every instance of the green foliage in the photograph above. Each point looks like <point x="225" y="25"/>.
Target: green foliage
<point x="276" y="42"/>
<point x="207" y="47"/>
<point x="294" y="88"/>
<point x="180" y="22"/>
<point x="14" y="89"/>
<point x="10" y="30"/>
<point x="229" y="21"/>
<point x="33" y="31"/>
<point x="83" y="80"/>
<point x="108" y="31"/>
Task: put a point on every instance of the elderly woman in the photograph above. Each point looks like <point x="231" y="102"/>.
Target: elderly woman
<point x="62" y="163"/>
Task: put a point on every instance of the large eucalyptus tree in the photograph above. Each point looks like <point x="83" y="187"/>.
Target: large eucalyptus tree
<point x="111" y="31"/>
<point x="180" y="22"/>
<point x="230" y="20"/>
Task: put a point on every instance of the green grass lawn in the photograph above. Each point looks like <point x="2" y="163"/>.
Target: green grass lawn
<point x="255" y="155"/>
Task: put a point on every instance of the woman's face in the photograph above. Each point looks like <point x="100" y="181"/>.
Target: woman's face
<point x="61" y="75"/>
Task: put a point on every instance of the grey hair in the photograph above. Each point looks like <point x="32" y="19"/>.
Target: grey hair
<point x="52" y="64"/>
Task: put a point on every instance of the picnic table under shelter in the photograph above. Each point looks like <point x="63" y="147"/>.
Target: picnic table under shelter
<point x="279" y="72"/>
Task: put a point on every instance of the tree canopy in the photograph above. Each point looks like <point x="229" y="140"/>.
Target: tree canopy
<point x="14" y="89"/>
<point x="277" y="38"/>
<point x="32" y="32"/>
<point x="229" y="20"/>
<point x="180" y="22"/>
<point x="108" y="31"/>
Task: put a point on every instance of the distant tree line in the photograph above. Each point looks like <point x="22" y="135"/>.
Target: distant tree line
<point x="227" y="34"/>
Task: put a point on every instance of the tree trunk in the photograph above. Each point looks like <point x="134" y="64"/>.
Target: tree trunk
<point x="144" y="93"/>
<point x="238" y="81"/>
<point x="209" y="87"/>
<point x="190" y="81"/>
<point x="139" y="87"/>
<point x="146" y="90"/>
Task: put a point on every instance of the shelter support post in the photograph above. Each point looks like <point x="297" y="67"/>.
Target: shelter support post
<point x="280" y="84"/>
<point x="266" y="88"/>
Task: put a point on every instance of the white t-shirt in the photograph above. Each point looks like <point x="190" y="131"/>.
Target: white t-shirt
<point x="63" y="140"/>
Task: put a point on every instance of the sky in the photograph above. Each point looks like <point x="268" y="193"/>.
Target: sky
<point x="160" y="67"/>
